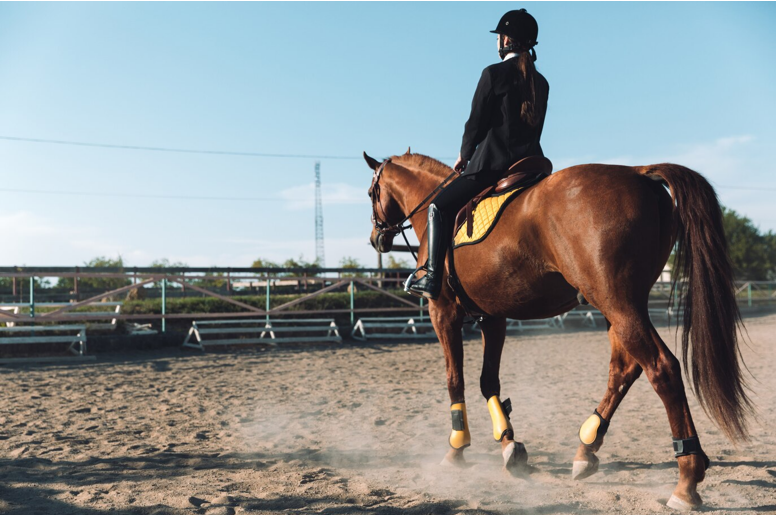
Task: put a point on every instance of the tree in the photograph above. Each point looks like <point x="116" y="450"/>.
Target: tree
<point x="264" y="263"/>
<point x="98" y="283"/>
<point x="397" y="263"/>
<point x="753" y="254"/>
<point x="165" y="263"/>
<point x="351" y="263"/>
<point x="310" y="266"/>
<point x="770" y="246"/>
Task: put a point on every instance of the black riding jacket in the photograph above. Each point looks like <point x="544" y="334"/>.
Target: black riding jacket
<point x="496" y="137"/>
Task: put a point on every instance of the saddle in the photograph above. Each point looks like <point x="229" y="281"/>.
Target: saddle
<point x="526" y="172"/>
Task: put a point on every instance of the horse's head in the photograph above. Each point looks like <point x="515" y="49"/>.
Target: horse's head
<point x="399" y="185"/>
<point x="386" y="211"/>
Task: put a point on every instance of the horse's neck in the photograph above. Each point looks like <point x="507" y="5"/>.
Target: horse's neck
<point x="411" y="185"/>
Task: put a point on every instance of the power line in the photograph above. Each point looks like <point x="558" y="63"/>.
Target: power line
<point x="184" y="150"/>
<point x="142" y="195"/>
<point x="744" y="188"/>
<point x="179" y="150"/>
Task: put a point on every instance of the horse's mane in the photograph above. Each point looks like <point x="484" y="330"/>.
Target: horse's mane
<point x="423" y="163"/>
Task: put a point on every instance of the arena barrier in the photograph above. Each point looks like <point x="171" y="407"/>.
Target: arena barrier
<point x="270" y="332"/>
<point x="588" y="316"/>
<point x="16" y="337"/>
<point x="555" y="322"/>
<point x="106" y="314"/>
<point x="390" y="327"/>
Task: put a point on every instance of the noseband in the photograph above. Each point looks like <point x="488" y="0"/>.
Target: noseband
<point x="380" y="224"/>
<point x="383" y="227"/>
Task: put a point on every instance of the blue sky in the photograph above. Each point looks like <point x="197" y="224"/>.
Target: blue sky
<point x="631" y="83"/>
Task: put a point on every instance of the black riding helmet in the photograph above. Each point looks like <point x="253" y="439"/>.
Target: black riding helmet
<point x="522" y="30"/>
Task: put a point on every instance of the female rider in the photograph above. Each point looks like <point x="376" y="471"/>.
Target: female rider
<point x="504" y="127"/>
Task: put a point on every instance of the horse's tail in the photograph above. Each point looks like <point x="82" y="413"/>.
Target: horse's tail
<point x="711" y="315"/>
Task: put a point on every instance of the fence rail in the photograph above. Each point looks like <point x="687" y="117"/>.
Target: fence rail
<point x="314" y="282"/>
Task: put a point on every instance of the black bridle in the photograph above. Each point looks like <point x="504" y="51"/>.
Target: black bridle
<point x="384" y="228"/>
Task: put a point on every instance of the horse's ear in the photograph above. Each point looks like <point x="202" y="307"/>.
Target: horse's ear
<point x="409" y="151"/>
<point x="373" y="163"/>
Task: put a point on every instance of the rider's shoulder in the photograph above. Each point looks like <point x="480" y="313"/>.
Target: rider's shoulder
<point x="497" y="68"/>
<point x="502" y="69"/>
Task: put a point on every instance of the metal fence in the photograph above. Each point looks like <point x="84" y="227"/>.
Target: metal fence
<point x="24" y="287"/>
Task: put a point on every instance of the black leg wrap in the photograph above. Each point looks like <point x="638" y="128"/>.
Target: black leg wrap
<point x="506" y="404"/>
<point x="457" y="420"/>
<point x="687" y="446"/>
<point x="604" y="427"/>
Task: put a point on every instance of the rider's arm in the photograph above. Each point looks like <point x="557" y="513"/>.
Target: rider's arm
<point x="479" y="119"/>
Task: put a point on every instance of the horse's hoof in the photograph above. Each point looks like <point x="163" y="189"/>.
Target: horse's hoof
<point x="680" y="505"/>
<point x="453" y="458"/>
<point x="515" y="459"/>
<point x="583" y="469"/>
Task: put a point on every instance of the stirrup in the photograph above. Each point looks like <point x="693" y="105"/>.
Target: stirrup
<point x="411" y="279"/>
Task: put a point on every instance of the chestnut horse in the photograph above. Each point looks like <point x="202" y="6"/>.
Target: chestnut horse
<point x="604" y="232"/>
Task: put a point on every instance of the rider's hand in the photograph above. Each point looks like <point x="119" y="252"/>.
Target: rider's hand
<point x="460" y="164"/>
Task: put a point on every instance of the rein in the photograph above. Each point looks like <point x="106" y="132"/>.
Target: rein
<point x="384" y="227"/>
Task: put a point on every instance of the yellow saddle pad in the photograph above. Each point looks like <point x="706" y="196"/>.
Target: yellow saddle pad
<point x="485" y="216"/>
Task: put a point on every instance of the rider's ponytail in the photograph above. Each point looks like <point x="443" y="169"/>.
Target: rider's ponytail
<point x="529" y="111"/>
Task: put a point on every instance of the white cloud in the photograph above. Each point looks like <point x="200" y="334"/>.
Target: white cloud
<point x="722" y="159"/>
<point x="732" y="161"/>
<point x="303" y="197"/>
<point x="35" y="240"/>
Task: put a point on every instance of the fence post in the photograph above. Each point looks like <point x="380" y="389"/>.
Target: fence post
<point x="164" y="304"/>
<point x="421" y="310"/>
<point x="749" y="293"/>
<point x="75" y="284"/>
<point x="266" y="306"/>
<point x="352" y="304"/>
<point x="32" y="297"/>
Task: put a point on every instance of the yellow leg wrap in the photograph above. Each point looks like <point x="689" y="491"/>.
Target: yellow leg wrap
<point x="460" y="437"/>
<point x="501" y="424"/>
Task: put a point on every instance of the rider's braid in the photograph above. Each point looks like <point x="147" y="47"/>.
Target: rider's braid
<point x="528" y="112"/>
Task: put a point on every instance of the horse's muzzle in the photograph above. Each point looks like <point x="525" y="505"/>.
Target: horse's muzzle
<point x="382" y="243"/>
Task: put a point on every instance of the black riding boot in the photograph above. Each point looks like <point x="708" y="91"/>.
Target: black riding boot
<point x="430" y="285"/>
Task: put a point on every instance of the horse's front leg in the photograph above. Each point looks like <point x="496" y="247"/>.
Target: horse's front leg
<point x="514" y="453"/>
<point x="448" y="322"/>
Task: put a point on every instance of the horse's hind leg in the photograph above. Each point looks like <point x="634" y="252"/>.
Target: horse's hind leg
<point x="640" y="339"/>
<point x="623" y="371"/>
<point x="514" y="453"/>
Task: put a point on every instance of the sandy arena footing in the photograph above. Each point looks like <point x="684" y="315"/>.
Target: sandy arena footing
<point x="356" y="429"/>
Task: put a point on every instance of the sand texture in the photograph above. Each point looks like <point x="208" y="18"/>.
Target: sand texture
<point x="356" y="428"/>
